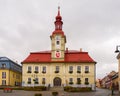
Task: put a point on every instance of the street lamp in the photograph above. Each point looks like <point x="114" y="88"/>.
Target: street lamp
<point x="116" y="51"/>
<point x="118" y="57"/>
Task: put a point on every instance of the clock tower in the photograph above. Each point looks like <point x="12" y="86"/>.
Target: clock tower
<point x="58" y="40"/>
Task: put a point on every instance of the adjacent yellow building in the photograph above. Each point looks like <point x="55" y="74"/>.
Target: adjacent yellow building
<point x="10" y="72"/>
<point x="59" y="66"/>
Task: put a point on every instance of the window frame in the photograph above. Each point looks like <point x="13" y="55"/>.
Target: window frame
<point x="3" y="75"/>
<point x="44" y="69"/>
<point x="87" y="69"/>
<point x="29" y="69"/>
<point x="36" y="70"/>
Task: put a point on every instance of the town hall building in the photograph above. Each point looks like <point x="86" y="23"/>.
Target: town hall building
<point x="59" y="66"/>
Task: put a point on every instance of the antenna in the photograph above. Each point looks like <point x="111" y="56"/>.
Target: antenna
<point x="59" y="4"/>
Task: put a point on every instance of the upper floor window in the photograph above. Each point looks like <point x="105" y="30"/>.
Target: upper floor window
<point x="3" y="74"/>
<point x="78" y="69"/>
<point x="29" y="69"/>
<point x="57" y="69"/>
<point x="3" y="65"/>
<point x="36" y="69"/>
<point x="86" y="69"/>
<point x="44" y="69"/>
<point x="70" y="69"/>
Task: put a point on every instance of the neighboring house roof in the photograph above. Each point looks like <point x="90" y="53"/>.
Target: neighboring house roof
<point x="70" y="56"/>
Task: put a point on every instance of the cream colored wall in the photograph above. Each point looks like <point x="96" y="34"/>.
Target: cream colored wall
<point x="63" y="73"/>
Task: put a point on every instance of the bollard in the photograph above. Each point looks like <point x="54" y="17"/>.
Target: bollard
<point x="112" y="92"/>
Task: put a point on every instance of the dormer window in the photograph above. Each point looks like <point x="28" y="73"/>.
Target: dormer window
<point x="3" y="65"/>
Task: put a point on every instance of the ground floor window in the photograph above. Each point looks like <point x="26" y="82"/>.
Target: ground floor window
<point x="29" y="80"/>
<point x="86" y="81"/>
<point x="70" y="80"/>
<point x="78" y="81"/>
<point x="3" y="82"/>
<point x="43" y="80"/>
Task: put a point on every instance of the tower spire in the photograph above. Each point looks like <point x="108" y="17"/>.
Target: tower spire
<point x="58" y="22"/>
<point x="58" y="10"/>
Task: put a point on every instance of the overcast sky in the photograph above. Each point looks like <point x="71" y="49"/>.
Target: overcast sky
<point x="93" y="25"/>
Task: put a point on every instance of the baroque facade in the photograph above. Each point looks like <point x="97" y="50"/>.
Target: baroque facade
<point x="10" y="72"/>
<point x="59" y="66"/>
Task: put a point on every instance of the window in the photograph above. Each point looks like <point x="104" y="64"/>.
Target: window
<point x="57" y="42"/>
<point x="29" y="69"/>
<point x="71" y="81"/>
<point x="86" y="69"/>
<point x="3" y="74"/>
<point x="36" y="69"/>
<point x="29" y="80"/>
<point x="57" y="69"/>
<point x="36" y="81"/>
<point x="70" y="69"/>
<point x="3" y="65"/>
<point x="78" y="69"/>
<point x="86" y="81"/>
<point x="44" y="69"/>
<point x="78" y="81"/>
<point x="3" y="82"/>
<point x="43" y="80"/>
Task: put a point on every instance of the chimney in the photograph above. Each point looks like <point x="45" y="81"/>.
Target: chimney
<point x="80" y="49"/>
<point x="67" y="50"/>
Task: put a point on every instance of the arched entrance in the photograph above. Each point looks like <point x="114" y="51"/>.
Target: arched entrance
<point x="57" y="81"/>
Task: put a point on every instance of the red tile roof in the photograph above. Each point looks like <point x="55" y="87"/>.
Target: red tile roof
<point x="70" y="56"/>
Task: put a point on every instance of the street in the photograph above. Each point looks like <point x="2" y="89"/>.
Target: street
<point x="98" y="92"/>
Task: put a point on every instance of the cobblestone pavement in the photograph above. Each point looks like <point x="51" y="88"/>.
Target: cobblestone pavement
<point x="98" y="92"/>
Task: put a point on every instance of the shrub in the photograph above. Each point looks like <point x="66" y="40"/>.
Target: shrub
<point x="36" y="82"/>
<point x="36" y="88"/>
<point x="86" y="71"/>
<point x="38" y="94"/>
<point x="77" y="89"/>
<point x="35" y="71"/>
<point x="71" y="83"/>
<point x="28" y="71"/>
<point x="55" y="93"/>
<point x="70" y="72"/>
<point x="67" y="88"/>
<point x="78" y="71"/>
<point x="56" y="71"/>
<point x="29" y="82"/>
<point x="86" y="83"/>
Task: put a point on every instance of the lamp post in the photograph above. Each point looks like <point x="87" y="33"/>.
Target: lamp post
<point x="118" y="57"/>
<point x="34" y="79"/>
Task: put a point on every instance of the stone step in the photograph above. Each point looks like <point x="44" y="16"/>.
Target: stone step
<point x="56" y="89"/>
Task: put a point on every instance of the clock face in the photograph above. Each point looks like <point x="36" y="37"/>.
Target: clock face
<point x="57" y="54"/>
